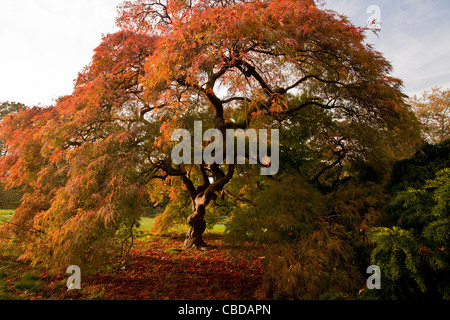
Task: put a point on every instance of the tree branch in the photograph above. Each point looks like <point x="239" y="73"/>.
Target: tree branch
<point x="228" y="193"/>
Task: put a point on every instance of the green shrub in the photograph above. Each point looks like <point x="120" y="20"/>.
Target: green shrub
<point x="414" y="256"/>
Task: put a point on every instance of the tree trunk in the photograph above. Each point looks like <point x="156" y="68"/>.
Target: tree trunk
<point x="198" y="227"/>
<point x="201" y="197"/>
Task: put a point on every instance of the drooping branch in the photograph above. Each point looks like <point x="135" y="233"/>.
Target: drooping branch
<point x="32" y="229"/>
<point x="147" y="108"/>
<point x="224" y="192"/>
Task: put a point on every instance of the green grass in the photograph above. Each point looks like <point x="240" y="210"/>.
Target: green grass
<point x="29" y="282"/>
<point x="3" y="288"/>
<point x="173" y="251"/>
<point x="218" y="228"/>
<point x="6" y="215"/>
<point x="147" y="223"/>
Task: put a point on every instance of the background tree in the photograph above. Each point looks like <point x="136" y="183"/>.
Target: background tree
<point x="5" y="109"/>
<point x="413" y="172"/>
<point x="10" y="107"/>
<point x="91" y="162"/>
<point x="9" y="199"/>
<point x="432" y="108"/>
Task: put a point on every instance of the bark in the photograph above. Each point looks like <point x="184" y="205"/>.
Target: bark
<point x="194" y="237"/>
<point x="201" y="197"/>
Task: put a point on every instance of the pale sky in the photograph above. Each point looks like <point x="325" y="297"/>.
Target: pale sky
<point x="45" y="43"/>
<point x="414" y="37"/>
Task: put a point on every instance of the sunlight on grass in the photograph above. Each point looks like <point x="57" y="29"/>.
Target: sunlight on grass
<point x="218" y="229"/>
<point x="147" y="223"/>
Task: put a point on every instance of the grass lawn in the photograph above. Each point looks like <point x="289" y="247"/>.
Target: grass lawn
<point x="6" y="215"/>
<point x="147" y="223"/>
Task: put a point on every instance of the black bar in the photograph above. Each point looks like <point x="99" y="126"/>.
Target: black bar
<point x="227" y="309"/>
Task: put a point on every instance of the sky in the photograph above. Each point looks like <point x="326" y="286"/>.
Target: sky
<point x="414" y="37"/>
<point x="45" y="43"/>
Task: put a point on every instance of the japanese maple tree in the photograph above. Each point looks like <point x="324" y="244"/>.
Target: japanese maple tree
<point x="92" y="161"/>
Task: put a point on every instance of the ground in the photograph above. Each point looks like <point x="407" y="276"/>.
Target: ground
<point x="155" y="270"/>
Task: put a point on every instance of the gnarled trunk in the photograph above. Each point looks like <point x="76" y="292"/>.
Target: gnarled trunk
<point x="198" y="227"/>
<point x="201" y="197"/>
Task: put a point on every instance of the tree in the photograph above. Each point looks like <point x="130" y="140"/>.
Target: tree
<point x="9" y="199"/>
<point x="413" y="172"/>
<point x="258" y="52"/>
<point x="92" y="161"/>
<point x="9" y="108"/>
<point x="432" y="108"/>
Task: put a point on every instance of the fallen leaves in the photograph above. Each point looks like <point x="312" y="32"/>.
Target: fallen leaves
<point x="158" y="270"/>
